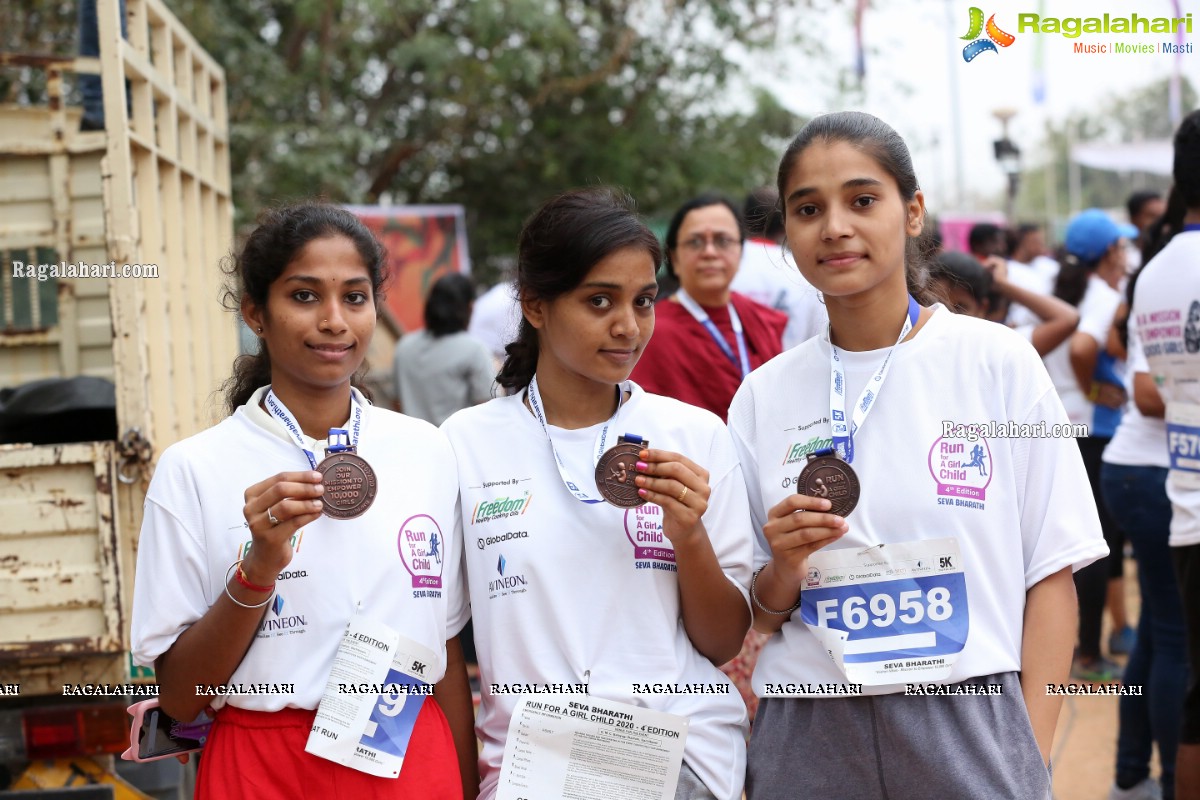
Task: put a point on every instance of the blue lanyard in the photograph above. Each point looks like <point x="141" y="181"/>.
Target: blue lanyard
<point x="535" y="403"/>
<point x="1195" y="226"/>
<point x="843" y="429"/>
<point x="701" y="316"/>
<point x="340" y="440"/>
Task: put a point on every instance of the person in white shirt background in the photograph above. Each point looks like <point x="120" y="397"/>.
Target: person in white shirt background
<point x="969" y="287"/>
<point x="567" y="588"/>
<point x="1165" y="318"/>
<point x="767" y="274"/>
<point x="242" y="577"/>
<point x="853" y="210"/>
<point x="1089" y="277"/>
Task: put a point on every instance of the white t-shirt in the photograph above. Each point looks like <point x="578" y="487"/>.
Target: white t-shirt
<point x="565" y="592"/>
<point x="1166" y="315"/>
<point x="1033" y="515"/>
<point x="769" y="276"/>
<point x="1028" y="278"/>
<point x="1096" y="311"/>
<point x="496" y="318"/>
<point x="193" y="531"/>
<point x="1140" y="441"/>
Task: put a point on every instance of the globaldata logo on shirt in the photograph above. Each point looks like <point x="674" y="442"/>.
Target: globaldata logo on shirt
<point x="651" y="549"/>
<point x="500" y="508"/>
<point x="279" y="623"/>
<point x="508" y="581"/>
<point x="962" y="470"/>
<point x="421" y="545"/>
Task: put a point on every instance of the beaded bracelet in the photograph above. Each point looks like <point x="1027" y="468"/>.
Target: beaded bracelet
<point x="757" y="602"/>
<point x="229" y="594"/>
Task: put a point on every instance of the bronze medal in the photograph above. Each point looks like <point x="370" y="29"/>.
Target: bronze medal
<point x="615" y="473"/>
<point x="349" y="485"/>
<point x="829" y="476"/>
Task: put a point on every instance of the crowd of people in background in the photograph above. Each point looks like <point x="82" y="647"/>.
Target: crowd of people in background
<point x="617" y="399"/>
<point x="741" y="301"/>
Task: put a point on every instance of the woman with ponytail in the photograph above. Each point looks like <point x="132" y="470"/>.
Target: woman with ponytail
<point x="269" y="534"/>
<point x="1165" y="318"/>
<point x="913" y="537"/>
<point x="609" y="530"/>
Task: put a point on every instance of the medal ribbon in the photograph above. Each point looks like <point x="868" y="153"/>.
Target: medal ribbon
<point x="843" y="429"/>
<point x="336" y="435"/>
<point x="1195" y="226"/>
<point x="535" y="403"/>
<point x="701" y="316"/>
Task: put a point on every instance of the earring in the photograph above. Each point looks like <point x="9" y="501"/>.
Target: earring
<point x="259" y="329"/>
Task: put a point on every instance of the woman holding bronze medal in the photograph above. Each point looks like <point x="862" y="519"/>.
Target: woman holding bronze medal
<point x="607" y="529"/>
<point x="248" y="587"/>
<point x="919" y="522"/>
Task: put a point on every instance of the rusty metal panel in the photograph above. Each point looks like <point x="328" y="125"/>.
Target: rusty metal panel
<point x="60" y="591"/>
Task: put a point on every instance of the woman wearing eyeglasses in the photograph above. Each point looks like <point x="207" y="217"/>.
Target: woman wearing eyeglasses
<point x="707" y="338"/>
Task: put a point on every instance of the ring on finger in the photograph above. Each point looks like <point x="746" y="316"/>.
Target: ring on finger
<point x="682" y="495"/>
<point x="271" y="516"/>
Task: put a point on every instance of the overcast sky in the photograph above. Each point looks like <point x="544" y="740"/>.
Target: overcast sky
<point x="915" y="43"/>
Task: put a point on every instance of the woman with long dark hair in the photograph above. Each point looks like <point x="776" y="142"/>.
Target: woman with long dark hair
<point x="610" y="539"/>
<point x="1165" y="318"/>
<point x="265" y="536"/>
<point x="906" y="545"/>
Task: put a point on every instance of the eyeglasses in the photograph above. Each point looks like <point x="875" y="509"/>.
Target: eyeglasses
<point x="698" y="244"/>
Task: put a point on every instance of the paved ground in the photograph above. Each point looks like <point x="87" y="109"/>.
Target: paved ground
<point x="1085" y="745"/>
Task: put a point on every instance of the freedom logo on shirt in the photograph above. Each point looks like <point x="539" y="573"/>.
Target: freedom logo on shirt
<point x="651" y="549"/>
<point x="500" y="508"/>
<point x="421" y="546"/>
<point x="799" y="451"/>
<point x="962" y="469"/>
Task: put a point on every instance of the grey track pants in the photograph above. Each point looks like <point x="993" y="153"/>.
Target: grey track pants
<point x="893" y="747"/>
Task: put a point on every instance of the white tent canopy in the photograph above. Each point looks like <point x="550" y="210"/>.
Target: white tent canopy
<point x="1155" y="157"/>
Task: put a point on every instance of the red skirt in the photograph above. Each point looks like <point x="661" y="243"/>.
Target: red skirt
<point x="259" y="755"/>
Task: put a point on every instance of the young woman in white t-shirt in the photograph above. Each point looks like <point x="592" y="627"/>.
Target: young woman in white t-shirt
<point x="637" y="602"/>
<point x="952" y="574"/>
<point x="244" y="580"/>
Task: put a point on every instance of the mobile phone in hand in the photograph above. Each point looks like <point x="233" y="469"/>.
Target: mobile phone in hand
<point x="154" y="735"/>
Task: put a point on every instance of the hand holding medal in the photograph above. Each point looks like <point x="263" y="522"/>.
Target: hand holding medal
<point x="275" y="509"/>
<point x="348" y="480"/>
<point x="796" y="528"/>
<point x="679" y="486"/>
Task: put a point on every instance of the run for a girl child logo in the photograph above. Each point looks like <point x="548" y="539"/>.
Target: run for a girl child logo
<point x="422" y="545"/>
<point x="651" y="548"/>
<point x="962" y="470"/>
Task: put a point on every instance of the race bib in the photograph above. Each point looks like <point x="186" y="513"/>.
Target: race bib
<point x="375" y="692"/>
<point x="1183" y="443"/>
<point x="888" y="614"/>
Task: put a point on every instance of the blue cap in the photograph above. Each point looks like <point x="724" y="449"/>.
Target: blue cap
<point x="1091" y="233"/>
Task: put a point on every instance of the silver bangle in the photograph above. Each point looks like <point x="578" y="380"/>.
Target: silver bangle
<point x="229" y="594"/>
<point x="761" y="607"/>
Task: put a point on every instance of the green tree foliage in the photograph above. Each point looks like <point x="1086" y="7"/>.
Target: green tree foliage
<point x="495" y="104"/>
